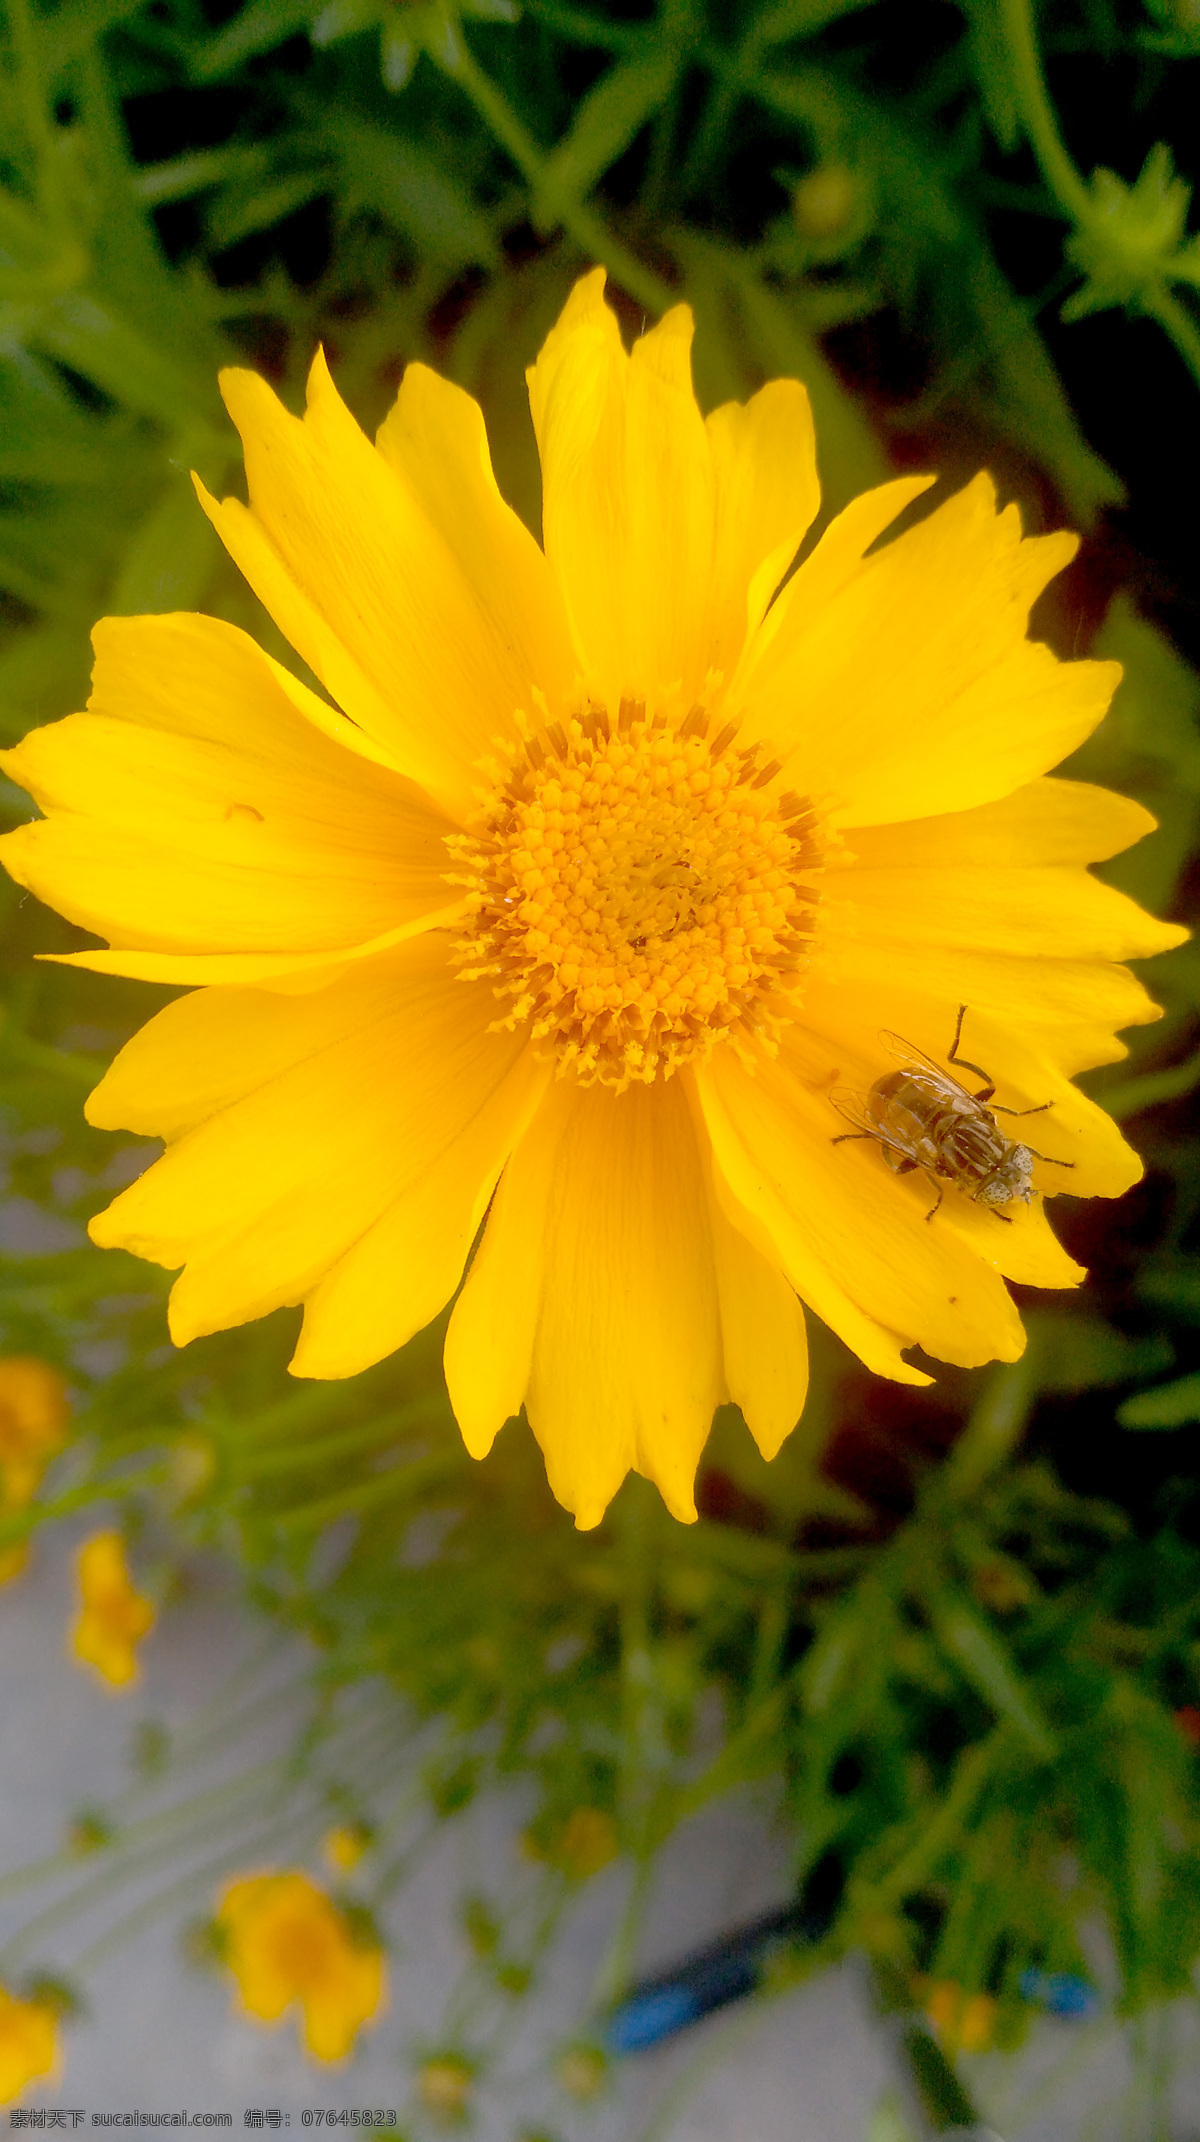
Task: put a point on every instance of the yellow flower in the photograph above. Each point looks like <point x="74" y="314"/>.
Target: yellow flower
<point x="115" y="1616"/>
<point x="602" y="872"/>
<point x="28" y="2044"/>
<point x="344" y="1846"/>
<point x="582" y="2070"/>
<point x="963" y="2022"/>
<point x="580" y="1846"/>
<point x="33" y="1425"/>
<point x="284" y="1941"/>
<point x="444" y="2085"/>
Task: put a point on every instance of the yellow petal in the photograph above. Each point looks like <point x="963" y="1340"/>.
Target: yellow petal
<point x="911" y="688"/>
<point x="35" y="1413"/>
<point x="1046" y="821"/>
<point x="335" y="2013"/>
<point x="490" y="1342"/>
<point x="198" y="808"/>
<point x="435" y="441"/>
<point x="596" y="1278"/>
<point x="835" y="561"/>
<point x="321" y="1115"/>
<point x="627" y="488"/>
<point x="405" y="1267"/>
<point x="852" y="1238"/>
<point x="28" y="2044"/>
<point x="249" y="1910"/>
<point x="1025" y="1250"/>
<point x="369" y="591"/>
<point x="1072" y="1006"/>
<point x="1039" y="914"/>
<point x="287" y="972"/>
<point x="762" y="1323"/>
<point x="115" y="1616"/>
<point x="767" y="494"/>
<point x="1029" y="1064"/>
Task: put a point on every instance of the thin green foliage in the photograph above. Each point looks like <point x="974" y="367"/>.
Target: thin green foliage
<point x="964" y="1715"/>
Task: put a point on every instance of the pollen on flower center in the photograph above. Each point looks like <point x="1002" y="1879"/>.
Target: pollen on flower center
<point x="640" y="890"/>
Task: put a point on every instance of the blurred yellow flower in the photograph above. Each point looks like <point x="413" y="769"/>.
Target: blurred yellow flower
<point x="33" y="1425"/>
<point x="114" y="1617"/>
<point x="601" y="873"/>
<point x="444" y="2085"/>
<point x="580" y="1846"/>
<point x="582" y="2071"/>
<point x="344" y="1846"/>
<point x="285" y="1941"/>
<point x="28" y="2044"/>
<point x="964" y="2022"/>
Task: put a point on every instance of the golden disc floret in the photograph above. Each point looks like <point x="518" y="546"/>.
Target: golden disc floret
<point x="641" y="889"/>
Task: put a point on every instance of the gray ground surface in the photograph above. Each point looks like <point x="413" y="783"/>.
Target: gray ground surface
<point x="158" y="2033"/>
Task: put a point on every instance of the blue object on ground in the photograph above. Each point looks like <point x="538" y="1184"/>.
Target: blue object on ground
<point x="725" y="1970"/>
<point x="647" y="2017"/>
<point x="1060" y="1993"/>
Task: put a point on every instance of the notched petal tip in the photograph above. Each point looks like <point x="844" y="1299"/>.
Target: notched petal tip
<point x="585" y="308"/>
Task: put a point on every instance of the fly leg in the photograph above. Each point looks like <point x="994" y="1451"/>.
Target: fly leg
<point x="953" y="1057"/>
<point x="937" y="1205"/>
<point x="844" y="1137"/>
<point x="989" y="1085"/>
<point x="1050" y="1157"/>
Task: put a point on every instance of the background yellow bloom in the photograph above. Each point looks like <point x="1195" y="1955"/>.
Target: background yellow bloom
<point x="114" y="1616"/>
<point x="286" y="1942"/>
<point x="28" y="2044"/>
<point x="34" y="1413"/>
<point x="344" y="1846"/>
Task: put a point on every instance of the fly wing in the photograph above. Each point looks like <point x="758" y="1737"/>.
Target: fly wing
<point x="853" y="1107"/>
<point x="914" y="1059"/>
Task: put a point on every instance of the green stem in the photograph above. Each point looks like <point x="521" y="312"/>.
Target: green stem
<point x="590" y="232"/>
<point x="33" y="1055"/>
<point x="643" y="1745"/>
<point x="249" y="1850"/>
<point x="583" y="28"/>
<point x="158" y="1836"/>
<point x="22" y="1523"/>
<point x="1041" y="124"/>
<point x="315" y="1452"/>
<point x="941" y="1831"/>
<point x="378" y="1488"/>
<point x="994" y="1427"/>
<point x="1177" y="322"/>
<point x="32" y="96"/>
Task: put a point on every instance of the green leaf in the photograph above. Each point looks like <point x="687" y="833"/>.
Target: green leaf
<point x="342" y="18"/>
<point x="86" y="333"/>
<point x="238" y="214"/>
<point x="801" y="18"/>
<point x="1169" y="1405"/>
<point x="989" y="1667"/>
<point x="183" y="176"/>
<point x="258" y="28"/>
<point x="385" y="171"/>
<point x="1175" y="1288"/>
<point x="172" y="557"/>
<point x="1085" y="1354"/>
<point x="608" y="119"/>
<point x="992" y="68"/>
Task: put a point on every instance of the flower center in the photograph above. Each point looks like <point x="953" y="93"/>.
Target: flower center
<point x="640" y="891"/>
